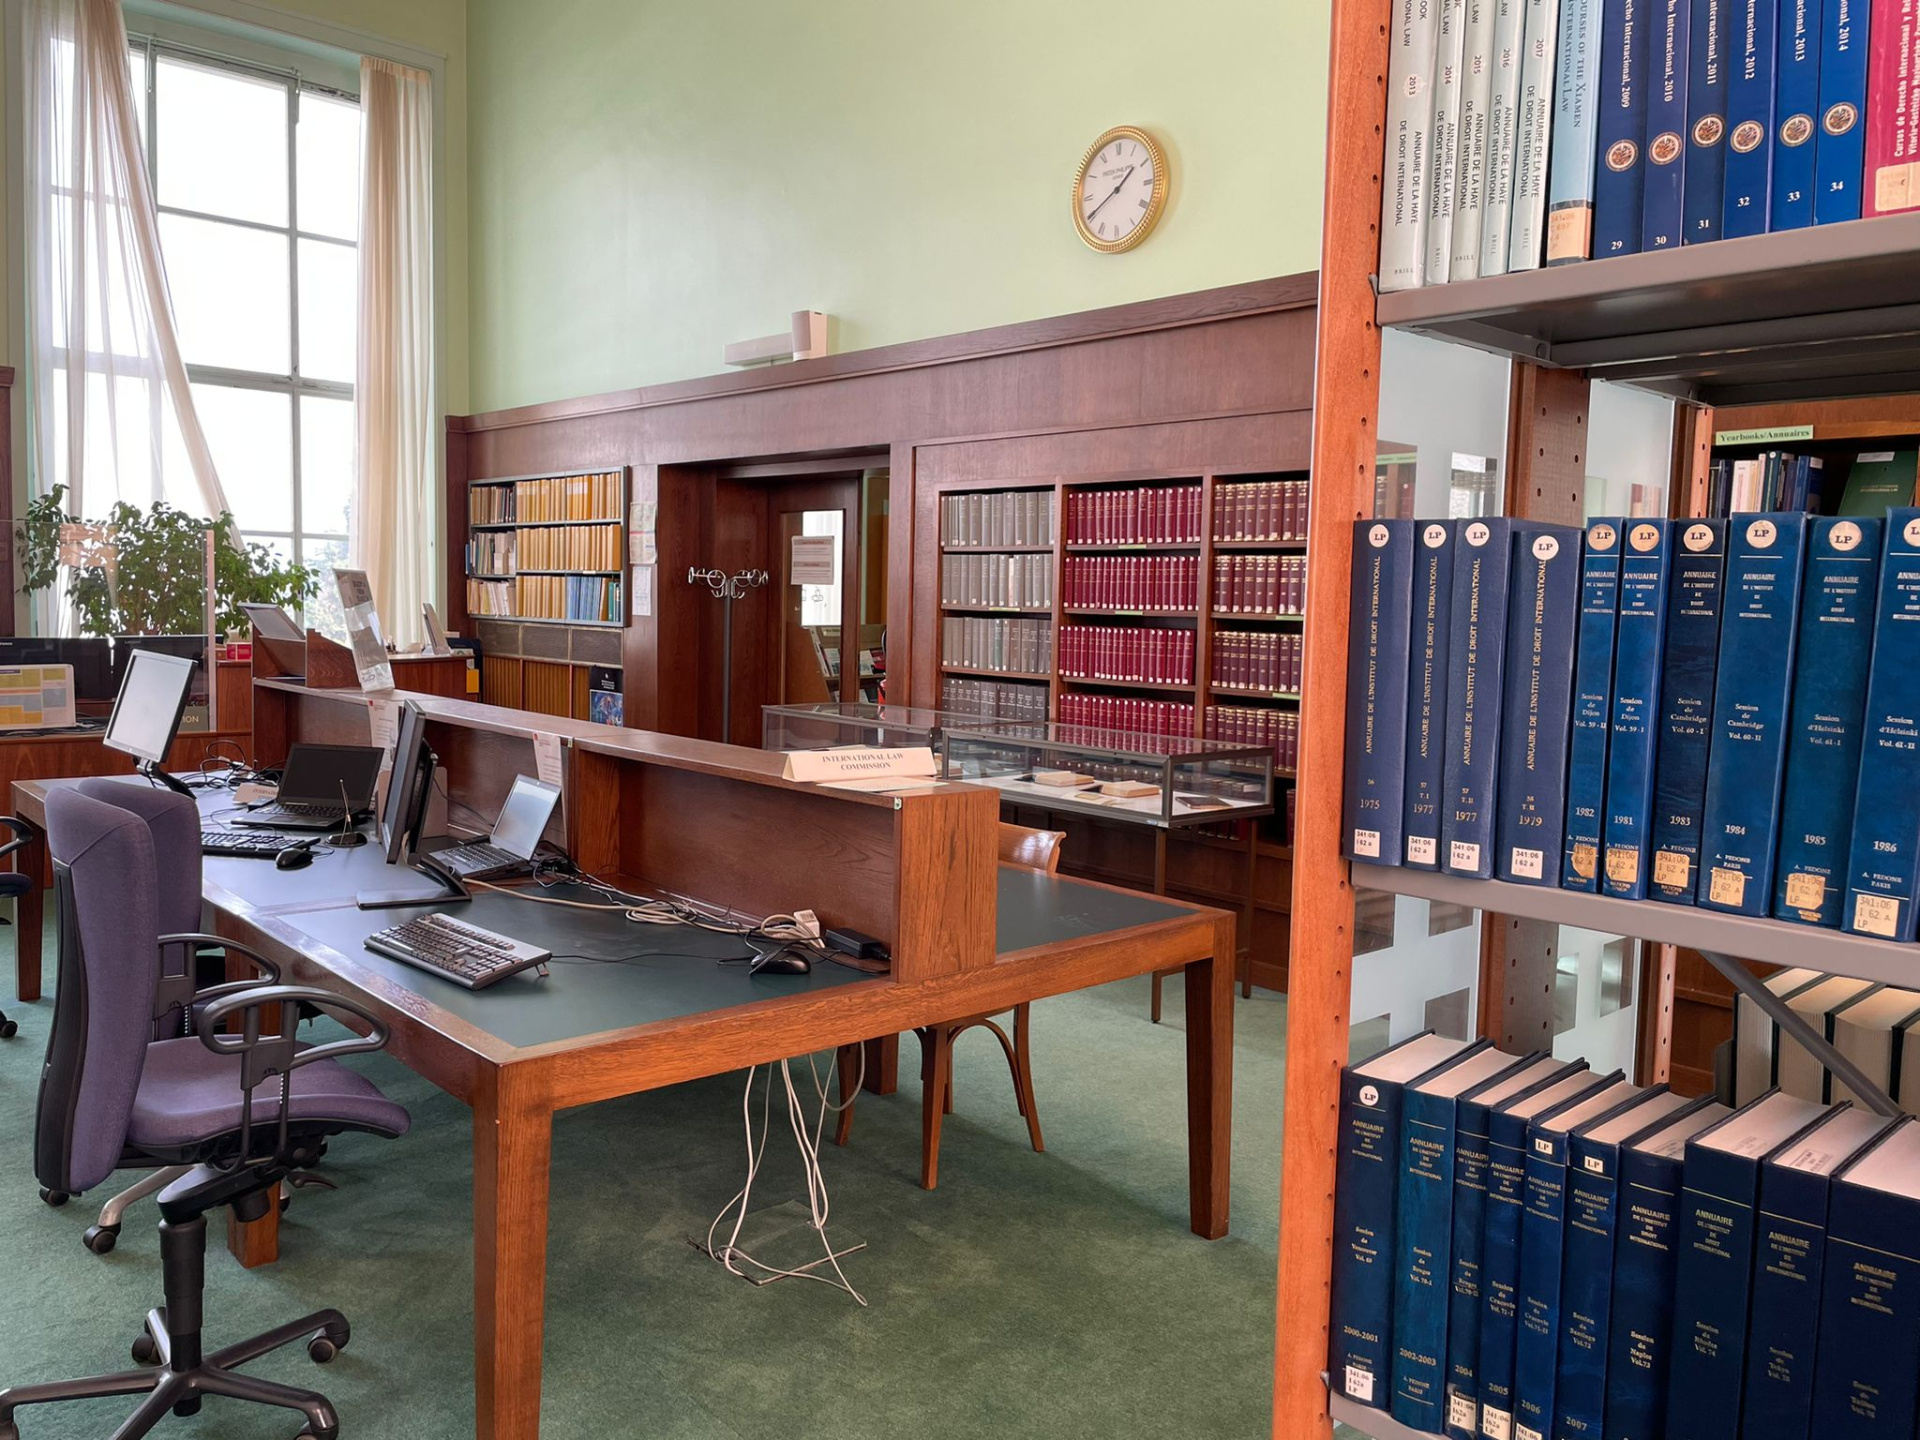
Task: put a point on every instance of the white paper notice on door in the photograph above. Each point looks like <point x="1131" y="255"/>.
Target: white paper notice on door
<point x="815" y="560"/>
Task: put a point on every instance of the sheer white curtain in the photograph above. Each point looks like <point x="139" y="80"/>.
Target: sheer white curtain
<point x="394" y="531"/>
<point x="111" y="415"/>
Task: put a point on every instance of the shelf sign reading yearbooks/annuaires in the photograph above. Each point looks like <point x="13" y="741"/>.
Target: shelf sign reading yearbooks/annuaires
<point x="1772" y="435"/>
<point x="911" y="762"/>
<point x="814" y="560"/>
<point x="363" y="629"/>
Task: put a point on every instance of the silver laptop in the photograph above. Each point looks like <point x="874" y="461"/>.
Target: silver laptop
<point x="508" y="852"/>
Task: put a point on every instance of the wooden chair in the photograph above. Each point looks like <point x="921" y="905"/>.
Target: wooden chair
<point x="1027" y="849"/>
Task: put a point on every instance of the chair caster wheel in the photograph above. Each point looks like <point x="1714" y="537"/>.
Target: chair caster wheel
<point x="9" y="1029"/>
<point x="285" y="1201"/>
<point x="321" y="1350"/>
<point x="145" y="1352"/>
<point x="101" y="1238"/>
<point x="55" y="1198"/>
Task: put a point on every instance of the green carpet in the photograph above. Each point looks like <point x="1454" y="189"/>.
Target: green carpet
<point x="1057" y="1295"/>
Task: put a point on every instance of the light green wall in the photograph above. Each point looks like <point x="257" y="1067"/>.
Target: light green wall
<point x="651" y="179"/>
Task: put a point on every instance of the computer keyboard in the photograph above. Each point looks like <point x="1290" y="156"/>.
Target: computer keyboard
<point x="464" y="954"/>
<point x="250" y="843"/>
<point x="477" y="857"/>
<point x="332" y="814"/>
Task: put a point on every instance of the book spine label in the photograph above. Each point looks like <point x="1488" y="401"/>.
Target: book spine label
<point x="1823" y="730"/>
<point x="1839" y="150"/>
<point x="1377" y="689"/>
<point x="1503" y="126"/>
<point x="1586" y="1291"/>
<point x="1536" y="1340"/>
<point x="1500" y="1274"/>
<point x="1639" y="1334"/>
<point x="1592" y="697"/>
<point x="1662" y="199"/>
<point x="1443" y="191"/>
<point x="1621" y="171"/>
<point x="1883" y="858"/>
<point x="1363" y="1197"/>
<point x="1476" y="656"/>
<point x="1578" y="100"/>
<point x="1641" y="633"/>
<point x="1538" y="52"/>
<point x="1686" y="709"/>
<point x="1427" y="692"/>
<point x="1409" y="156"/>
<point x="1713" y="1282"/>
<point x="1796" y="104"/>
<point x="1749" y="118"/>
<point x="1869" y="1317"/>
<point x="1471" y="1163"/>
<point x="1784" y="1322"/>
<point x="1739" y="831"/>
<point x="1470" y="168"/>
<point x="1423" y="1231"/>
<point x="1704" y="184"/>
<point x="1893" y="110"/>
<point x="1542" y="614"/>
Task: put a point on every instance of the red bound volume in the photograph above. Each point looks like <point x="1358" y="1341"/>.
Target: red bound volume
<point x="1893" y="109"/>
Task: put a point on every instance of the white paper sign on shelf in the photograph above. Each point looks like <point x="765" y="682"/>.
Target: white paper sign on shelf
<point x="385" y="721"/>
<point x="859" y="763"/>
<point x="546" y="756"/>
<point x="815" y="560"/>
<point x="641" y="589"/>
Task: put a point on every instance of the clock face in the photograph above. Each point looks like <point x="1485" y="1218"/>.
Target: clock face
<point x="1120" y="190"/>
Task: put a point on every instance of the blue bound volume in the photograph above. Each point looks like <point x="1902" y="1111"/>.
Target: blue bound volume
<point x="1377" y="655"/>
<point x="1883" y="859"/>
<point x="1500" y="1246"/>
<point x="1740" y="828"/>
<point x="1536" y="1343"/>
<point x="1471" y="1166"/>
<point x="1869" y="1360"/>
<point x="1542" y="612"/>
<point x="1749" y="118"/>
<point x="1592" y="700"/>
<point x="1423" y="1233"/>
<point x="1427" y="690"/>
<point x="1704" y="185"/>
<point x="1796" y="103"/>
<point x="1662" y="193"/>
<point x="1713" y="1280"/>
<point x="1840" y="149"/>
<point x="1365" y="1176"/>
<point x="1636" y="690"/>
<point x="1686" y="708"/>
<point x="1823" y="730"/>
<point x="1586" y="1287"/>
<point x="1476" y="657"/>
<point x="1639" y="1334"/>
<point x="1787" y="1272"/>
<point x="1620" y="175"/>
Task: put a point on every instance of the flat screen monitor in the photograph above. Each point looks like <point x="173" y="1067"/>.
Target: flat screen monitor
<point x="153" y="695"/>
<point x="408" y="787"/>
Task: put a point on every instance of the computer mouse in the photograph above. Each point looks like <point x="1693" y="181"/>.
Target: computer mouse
<point x="294" y="857"/>
<point x="786" y="961"/>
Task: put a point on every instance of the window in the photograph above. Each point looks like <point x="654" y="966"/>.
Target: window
<point x="256" y="176"/>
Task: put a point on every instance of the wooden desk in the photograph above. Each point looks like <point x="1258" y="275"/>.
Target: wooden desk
<point x="659" y="812"/>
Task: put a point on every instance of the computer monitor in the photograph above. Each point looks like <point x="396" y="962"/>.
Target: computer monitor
<point x="408" y="788"/>
<point x="146" y="714"/>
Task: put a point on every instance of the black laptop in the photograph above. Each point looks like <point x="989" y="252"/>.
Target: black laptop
<point x="322" y="787"/>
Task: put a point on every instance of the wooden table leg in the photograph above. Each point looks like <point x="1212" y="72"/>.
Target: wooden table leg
<point x="29" y="916"/>
<point x="512" y="1153"/>
<point x="883" y="1065"/>
<point x="256" y="1242"/>
<point x="1210" y="985"/>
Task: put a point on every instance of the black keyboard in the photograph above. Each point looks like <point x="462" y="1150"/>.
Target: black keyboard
<point x="242" y="842"/>
<point x="479" y="857"/>
<point x="464" y="954"/>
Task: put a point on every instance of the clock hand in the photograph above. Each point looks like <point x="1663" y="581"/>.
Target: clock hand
<point x="1116" y="190"/>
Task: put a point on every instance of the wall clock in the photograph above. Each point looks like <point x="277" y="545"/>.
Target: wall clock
<point x="1120" y="189"/>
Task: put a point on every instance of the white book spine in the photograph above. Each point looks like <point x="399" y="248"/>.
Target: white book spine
<point x="1509" y="31"/>
<point x="1443" y="192"/>
<point x="1527" y="239"/>
<point x="1470" y="163"/>
<point x="1409" y="161"/>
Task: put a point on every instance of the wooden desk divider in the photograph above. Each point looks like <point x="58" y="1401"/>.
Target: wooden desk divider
<point x="325" y="664"/>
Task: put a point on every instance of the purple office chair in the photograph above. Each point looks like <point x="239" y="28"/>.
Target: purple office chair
<point x="110" y="1091"/>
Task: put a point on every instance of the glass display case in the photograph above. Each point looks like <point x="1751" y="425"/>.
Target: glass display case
<point x="833" y="724"/>
<point x="1166" y="781"/>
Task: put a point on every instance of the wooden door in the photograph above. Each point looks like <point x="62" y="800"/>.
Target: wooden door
<point x="814" y="650"/>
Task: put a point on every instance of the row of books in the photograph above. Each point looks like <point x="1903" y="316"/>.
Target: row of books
<point x="1271" y="510"/>
<point x="1127" y="653"/>
<point x="558" y="497"/>
<point x="1523" y="1247"/>
<point x="1259" y="584"/>
<point x="1122" y="712"/>
<point x="1016" y="582"/>
<point x="1131" y="582"/>
<point x="981" y="642"/>
<point x="994" y="699"/>
<point x="982" y="520"/>
<point x="1531" y="131"/>
<point x="1876" y="1027"/>
<point x="1257" y="725"/>
<point x="568" y="547"/>
<point x="1257" y="660"/>
<point x="490" y="553"/>
<point x="1712" y="712"/>
<point x="567" y="597"/>
<point x="1779" y="480"/>
<point x="1140" y="515"/>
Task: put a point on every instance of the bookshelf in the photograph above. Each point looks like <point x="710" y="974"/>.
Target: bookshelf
<point x="548" y="549"/>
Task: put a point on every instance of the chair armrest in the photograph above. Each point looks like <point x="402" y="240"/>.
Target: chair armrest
<point x="280" y="1051"/>
<point x="23" y="834"/>
<point x="195" y="937"/>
